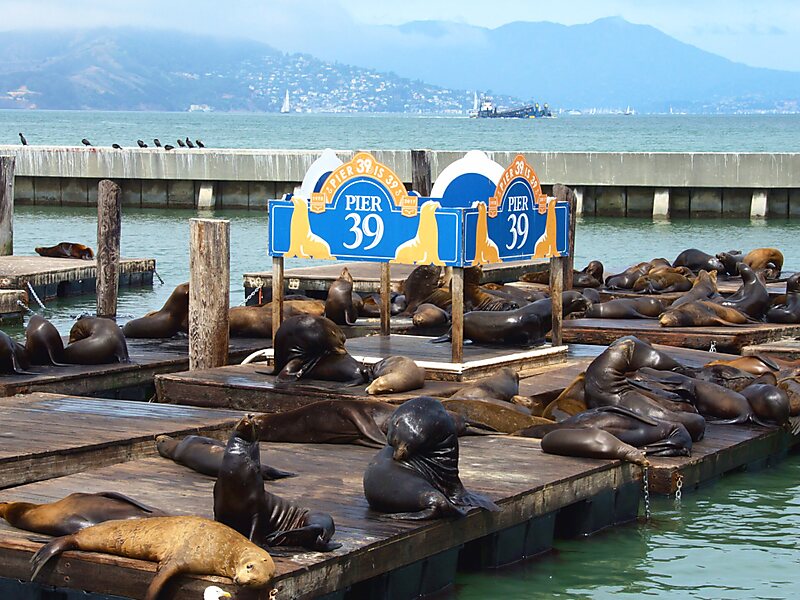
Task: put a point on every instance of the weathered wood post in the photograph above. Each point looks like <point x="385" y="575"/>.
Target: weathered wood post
<point x="277" y="294"/>
<point x="109" y="231"/>
<point x="564" y="193"/>
<point x="6" y="205"/>
<point x="386" y="282"/>
<point x="421" y="172"/>
<point x="457" y="315"/>
<point x="556" y="288"/>
<point x="209" y="293"/>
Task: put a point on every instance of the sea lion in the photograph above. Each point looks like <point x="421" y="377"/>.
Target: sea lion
<point x="724" y="375"/>
<point x="416" y="475"/>
<point x="591" y="294"/>
<point x="179" y="545"/>
<point x="339" y="306"/>
<point x="752" y="298"/>
<point x="661" y="282"/>
<point x="43" y="342"/>
<point x="730" y="261"/>
<point x="770" y="404"/>
<point x="787" y="310"/>
<point x="626" y="279"/>
<point x="703" y="313"/>
<point x="95" y="341"/>
<point x="66" y="250"/>
<point x="370" y="306"/>
<point x="704" y="287"/>
<point x="767" y="261"/>
<point x="791" y="386"/>
<point x="756" y="364"/>
<point x="698" y="260"/>
<point x="571" y="401"/>
<point x="165" y="322"/>
<point x="656" y="438"/>
<point x="204" y="455"/>
<point x="301" y="342"/>
<point x="240" y="501"/>
<point x="591" y="443"/>
<point x="328" y="422"/>
<point x="13" y="356"/>
<point x="340" y="367"/>
<point x="492" y="415"/>
<point x="429" y="315"/>
<point x="420" y="284"/>
<point x="256" y="321"/>
<point x="502" y="385"/>
<point x="521" y="295"/>
<point x="476" y="298"/>
<point x="396" y="374"/>
<point x="74" y="512"/>
<point x="626" y="308"/>
<point x="590" y="276"/>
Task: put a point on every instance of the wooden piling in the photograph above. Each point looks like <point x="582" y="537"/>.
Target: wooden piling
<point x="556" y="288"/>
<point x="564" y="193"/>
<point x="386" y="282"/>
<point x="421" y="172"/>
<point x="209" y="282"/>
<point x="277" y="294"/>
<point x="457" y="315"/>
<point x="109" y="231"/>
<point x="6" y="205"/>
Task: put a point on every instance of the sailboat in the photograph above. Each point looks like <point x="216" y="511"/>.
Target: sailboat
<point x="285" y="105"/>
<point x="474" y="111"/>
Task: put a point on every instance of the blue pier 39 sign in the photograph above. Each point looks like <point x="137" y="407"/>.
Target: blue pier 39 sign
<point x="478" y="213"/>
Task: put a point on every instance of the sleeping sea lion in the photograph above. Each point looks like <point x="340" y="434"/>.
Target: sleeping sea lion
<point x="204" y="455"/>
<point x="698" y="260"/>
<point x="767" y="261"/>
<point x="75" y="512"/>
<point x="752" y="298"/>
<point x="66" y="250"/>
<point x="301" y="342"/>
<point x="95" y="341"/>
<point x="429" y="315"/>
<point x="339" y="306"/>
<point x="661" y="282"/>
<point x="165" y="322"/>
<point x="704" y="287"/>
<point x="788" y="310"/>
<point x="502" y="417"/>
<point x="416" y="475"/>
<point x="502" y="385"/>
<point x="626" y="279"/>
<point x="757" y="364"/>
<point x="703" y="313"/>
<point x="590" y="276"/>
<point x="179" y="545"/>
<point x="340" y="367"/>
<point x="396" y="374"/>
<point x="475" y="298"/>
<point x="591" y="443"/>
<point x="43" y="342"/>
<point x="626" y="308"/>
<point x="419" y="285"/>
<point x="770" y="403"/>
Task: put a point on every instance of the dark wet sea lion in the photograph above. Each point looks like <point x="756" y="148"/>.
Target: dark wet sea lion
<point x="767" y="261"/>
<point x="770" y="403"/>
<point x="698" y="260"/>
<point x="339" y="367"/>
<point x="730" y="261"/>
<point x="590" y="276"/>
<point x="626" y="279"/>
<point x="724" y="375"/>
<point x="704" y="287"/>
<point x="396" y="374"/>
<point x="95" y="341"/>
<point x="522" y="295"/>
<point x="204" y="455"/>
<point x="75" y="512"/>
<point x="43" y="342"/>
<point x="591" y="294"/>
<point x="703" y="313"/>
<point x="328" y="422"/>
<point x="419" y="285"/>
<point x="752" y="298"/>
<point x="645" y="355"/>
<point x="429" y="315"/>
<point x="416" y="475"/>
<point x="626" y="308"/>
<point x="370" y="306"/>
<point x="591" y="443"/>
<point x="13" y="356"/>
<point x="301" y="342"/>
<point x="339" y="306"/>
<point x="179" y="544"/>
<point x="501" y="385"/>
<point x="66" y="250"/>
<point x="163" y="323"/>
<point x="788" y="310"/>
<point x="661" y="283"/>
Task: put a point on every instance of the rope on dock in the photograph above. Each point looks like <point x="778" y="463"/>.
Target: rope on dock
<point x="158" y="276"/>
<point x="35" y="297"/>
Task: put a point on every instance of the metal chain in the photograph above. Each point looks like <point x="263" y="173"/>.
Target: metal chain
<point x="646" y="490"/>
<point x="713" y="347"/>
<point x="253" y="293"/>
<point x="159" y="276"/>
<point x="35" y="297"/>
<point x="679" y="488"/>
<point x="273" y="593"/>
<point x="24" y="306"/>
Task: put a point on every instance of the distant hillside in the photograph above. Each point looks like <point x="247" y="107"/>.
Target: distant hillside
<point x="125" y="69"/>
<point x="607" y="63"/>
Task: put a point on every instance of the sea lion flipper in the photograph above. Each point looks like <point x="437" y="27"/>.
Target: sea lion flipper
<point x="428" y="513"/>
<point x="123" y="498"/>
<point x="368" y="428"/>
<point x="443" y="338"/>
<point x="271" y="473"/>
<point x="628" y="413"/>
<point x="164" y="573"/>
<point x="479" y="500"/>
<point x="49" y="550"/>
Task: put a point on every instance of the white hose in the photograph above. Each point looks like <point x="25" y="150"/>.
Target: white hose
<point x="254" y="356"/>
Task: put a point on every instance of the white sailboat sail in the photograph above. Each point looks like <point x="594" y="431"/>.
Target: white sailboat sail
<point x="285" y="105"/>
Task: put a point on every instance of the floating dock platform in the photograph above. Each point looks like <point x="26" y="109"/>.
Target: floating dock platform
<point x="51" y="277"/>
<point x="13" y="305"/>
<point x="786" y="349"/>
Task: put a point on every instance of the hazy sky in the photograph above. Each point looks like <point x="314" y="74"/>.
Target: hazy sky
<point x="764" y="33"/>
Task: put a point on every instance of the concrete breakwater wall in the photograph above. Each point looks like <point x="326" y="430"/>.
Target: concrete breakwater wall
<point x="607" y="183"/>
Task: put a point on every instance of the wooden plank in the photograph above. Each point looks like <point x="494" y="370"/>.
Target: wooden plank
<point x="786" y="349"/>
<point x="7" y="205"/>
<point x="109" y="231"/>
<point x="523" y="481"/>
<point x="51" y="435"/>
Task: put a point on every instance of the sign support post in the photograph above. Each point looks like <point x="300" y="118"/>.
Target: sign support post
<point x="277" y="294"/>
<point x="457" y="315"/>
<point x="556" y="288"/>
<point x="386" y="314"/>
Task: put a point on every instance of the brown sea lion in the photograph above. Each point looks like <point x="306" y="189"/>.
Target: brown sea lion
<point x="626" y="279"/>
<point x="370" y="306"/>
<point x="204" y="455"/>
<point x="301" y="342"/>
<point x="429" y="315"/>
<point x="787" y="310"/>
<point x="43" y="342"/>
<point x="339" y="306"/>
<point x="416" y="475"/>
<point x="502" y="385"/>
<point x="590" y="276"/>
<point x="163" y="323"/>
<point x="770" y="403"/>
<point x="522" y="295"/>
<point x="661" y="282"/>
<point x="626" y="308"/>
<point x="756" y="364"/>
<point x="256" y="321"/>
<point x="396" y="374"/>
<point x="591" y="443"/>
<point x="569" y="402"/>
<point x="703" y="313"/>
<point x="95" y="341"/>
<point x="704" y="287"/>
<point x="179" y="545"/>
<point x="791" y="385"/>
<point x="475" y="298"/>
<point x="752" y="298"/>
<point x="767" y="261"/>
<point x="698" y="260"/>
<point x="66" y="250"/>
<point x="419" y="285"/>
<point x="492" y="415"/>
<point x="75" y="512"/>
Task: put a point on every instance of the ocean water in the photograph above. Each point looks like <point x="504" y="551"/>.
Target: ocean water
<point x="735" y="539"/>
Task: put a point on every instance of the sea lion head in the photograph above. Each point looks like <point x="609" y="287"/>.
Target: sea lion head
<point x="165" y="444"/>
<point x="714" y="264"/>
<point x="595" y="269"/>
<point x="574" y="301"/>
<point x="247" y="428"/>
<point x="675" y="318"/>
<point x="417" y="425"/>
<point x="793" y="284"/>
<point x="255" y="568"/>
<point x="346" y="275"/>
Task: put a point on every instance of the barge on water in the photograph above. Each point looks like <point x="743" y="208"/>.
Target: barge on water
<point x="488" y="110"/>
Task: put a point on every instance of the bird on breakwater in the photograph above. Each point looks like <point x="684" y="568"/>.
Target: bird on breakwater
<point x="200" y="144"/>
<point x="189" y="143"/>
<point x="86" y="142"/>
<point x="181" y="144"/>
<point x="157" y="142"/>
<point x="23" y="140"/>
<point x="141" y="144"/>
<point x="116" y="146"/>
<point x="168" y="147"/>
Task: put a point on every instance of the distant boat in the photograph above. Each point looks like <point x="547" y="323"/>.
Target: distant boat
<point x="474" y="111"/>
<point x="285" y="105"/>
<point x="629" y="111"/>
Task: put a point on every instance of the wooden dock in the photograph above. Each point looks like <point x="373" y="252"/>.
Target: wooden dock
<point x="51" y="277"/>
<point x="786" y="349"/>
<point x="538" y="495"/>
<point x="13" y="304"/>
<point x="43" y="436"/>
<point x="147" y="359"/>
<point x="725" y="339"/>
